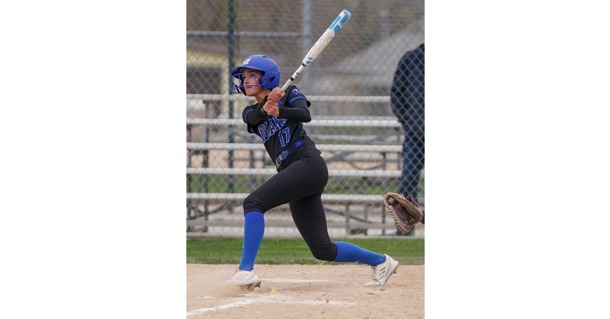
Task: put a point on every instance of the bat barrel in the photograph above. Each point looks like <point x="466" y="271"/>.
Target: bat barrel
<point x="322" y="42"/>
<point x="340" y="20"/>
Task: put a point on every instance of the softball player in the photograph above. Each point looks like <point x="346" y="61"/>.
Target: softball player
<point x="277" y="118"/>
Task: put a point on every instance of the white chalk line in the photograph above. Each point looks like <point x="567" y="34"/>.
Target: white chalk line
<point x="221" y="307"/>
<point x="267" y="299"/>
<point x="295" y="280"/>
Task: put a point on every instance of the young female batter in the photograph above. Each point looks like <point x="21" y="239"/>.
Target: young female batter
<point x="277" y="118"/>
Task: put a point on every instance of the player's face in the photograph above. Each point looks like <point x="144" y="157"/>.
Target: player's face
<point x="251" y="81"/>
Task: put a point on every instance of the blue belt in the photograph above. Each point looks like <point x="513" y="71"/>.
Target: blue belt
<point x="283" y="155"/>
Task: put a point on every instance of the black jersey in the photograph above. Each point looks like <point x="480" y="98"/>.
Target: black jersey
<point x="281" y="134"/>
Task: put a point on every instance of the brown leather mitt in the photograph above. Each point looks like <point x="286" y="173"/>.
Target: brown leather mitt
<point x="405" y="212"/>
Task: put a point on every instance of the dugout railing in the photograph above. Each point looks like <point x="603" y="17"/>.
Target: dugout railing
<point x="223" y="150"/>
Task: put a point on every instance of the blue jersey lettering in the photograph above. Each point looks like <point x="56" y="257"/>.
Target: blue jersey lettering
<point x="270" y="127"/>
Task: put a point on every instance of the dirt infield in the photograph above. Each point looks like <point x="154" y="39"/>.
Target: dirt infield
<point x="304" y="292"/>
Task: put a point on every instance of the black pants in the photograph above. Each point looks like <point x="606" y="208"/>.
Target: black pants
<point x="413" y="154"/>
<point x="301" y="185"/>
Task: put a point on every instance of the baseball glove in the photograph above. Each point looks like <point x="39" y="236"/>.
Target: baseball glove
<point x="404" y="211"/>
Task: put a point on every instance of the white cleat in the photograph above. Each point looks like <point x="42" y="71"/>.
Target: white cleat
<point x="383" y="271"/>
<point x="245" y="279"/>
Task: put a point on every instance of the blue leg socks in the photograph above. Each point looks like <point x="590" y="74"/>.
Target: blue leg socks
<point x="254" y="228"/>
<point x="347" y="252"/>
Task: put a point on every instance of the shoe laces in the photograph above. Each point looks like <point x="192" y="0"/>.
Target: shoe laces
<point x="242" y="274"/>
<point x="379" y="271"/>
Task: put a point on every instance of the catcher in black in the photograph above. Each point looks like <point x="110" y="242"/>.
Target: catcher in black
<point x="277" y="118"/>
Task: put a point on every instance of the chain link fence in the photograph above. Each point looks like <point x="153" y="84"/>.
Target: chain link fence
<point x="349" y="87"/>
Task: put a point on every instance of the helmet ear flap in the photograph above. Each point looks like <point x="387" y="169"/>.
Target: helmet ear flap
<point x="271" y="81"/>
<point x="262" y="79"/>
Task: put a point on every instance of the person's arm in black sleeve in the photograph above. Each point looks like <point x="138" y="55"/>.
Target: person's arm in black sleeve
<point x="298" y="111"/>
<point x="398" y="90"/>
<point x="399" y="95"/>
<point x="256" y="114"/>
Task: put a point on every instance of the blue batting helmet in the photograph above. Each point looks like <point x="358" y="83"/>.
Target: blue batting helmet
<point x="263" y="63"/>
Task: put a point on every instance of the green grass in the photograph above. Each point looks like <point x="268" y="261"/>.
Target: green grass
<point x="245" y="184"/>
<point x="408" y="251"/>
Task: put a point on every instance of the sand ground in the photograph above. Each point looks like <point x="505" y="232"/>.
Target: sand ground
<point x="305" y="292"/>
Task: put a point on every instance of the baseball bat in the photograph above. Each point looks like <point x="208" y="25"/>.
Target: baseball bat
<point x="319" y="46"/>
